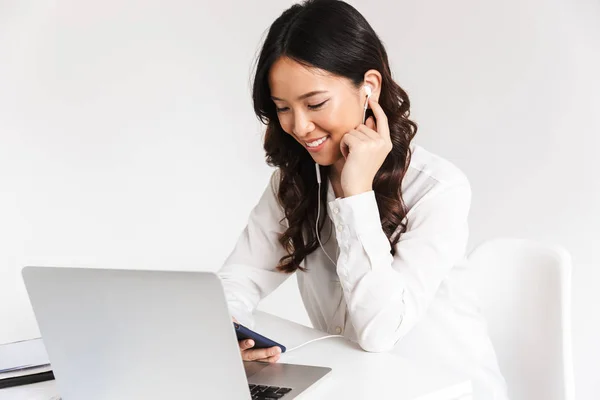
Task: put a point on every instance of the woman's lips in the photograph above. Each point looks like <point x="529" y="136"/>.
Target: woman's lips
<point x="317" y="145"/>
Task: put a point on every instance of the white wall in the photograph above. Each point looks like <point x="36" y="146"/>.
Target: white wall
<point x="127" y="137"/>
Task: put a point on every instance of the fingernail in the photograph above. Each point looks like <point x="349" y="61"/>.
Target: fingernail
<point x="250" y="343"/>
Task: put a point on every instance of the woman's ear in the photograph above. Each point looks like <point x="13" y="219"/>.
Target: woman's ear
<point x="373" y="79"/>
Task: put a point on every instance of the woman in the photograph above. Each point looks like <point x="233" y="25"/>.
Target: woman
<point x="384" y="266"/>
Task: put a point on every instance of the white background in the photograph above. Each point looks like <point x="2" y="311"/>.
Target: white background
<point x="127" y="137"/>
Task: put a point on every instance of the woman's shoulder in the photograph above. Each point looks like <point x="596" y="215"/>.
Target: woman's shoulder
<point x="429" y="174"/>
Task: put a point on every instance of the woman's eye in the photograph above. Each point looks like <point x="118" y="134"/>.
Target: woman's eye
<point x="317" y="106"/>
<point x="312" y="107"/>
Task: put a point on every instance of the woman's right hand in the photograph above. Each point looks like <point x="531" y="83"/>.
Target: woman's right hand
<point x="270" y="354"/>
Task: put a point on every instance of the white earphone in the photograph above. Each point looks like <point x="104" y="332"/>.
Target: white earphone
<point x="368" y="92"/>
<point x="319" y="213"/>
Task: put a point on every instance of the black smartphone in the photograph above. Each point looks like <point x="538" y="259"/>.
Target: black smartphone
<point x="260" y="342"/>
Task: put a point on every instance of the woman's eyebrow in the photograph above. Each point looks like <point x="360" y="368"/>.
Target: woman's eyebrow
<point x="304" y="96"/>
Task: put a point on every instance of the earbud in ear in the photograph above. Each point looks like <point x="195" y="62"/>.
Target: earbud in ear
<point x="369" y="92"/>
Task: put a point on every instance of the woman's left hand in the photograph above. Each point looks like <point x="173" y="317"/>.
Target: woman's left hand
<point x="365" y="149"/>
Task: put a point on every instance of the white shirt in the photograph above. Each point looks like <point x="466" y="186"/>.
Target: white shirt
<point x="415" y="303"/>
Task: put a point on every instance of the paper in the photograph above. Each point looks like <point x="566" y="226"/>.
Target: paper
<point x="24" y="372"/>
<point x="21" y="355"/>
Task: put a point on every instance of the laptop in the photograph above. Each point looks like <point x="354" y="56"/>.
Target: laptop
<point x="131" y="334"/>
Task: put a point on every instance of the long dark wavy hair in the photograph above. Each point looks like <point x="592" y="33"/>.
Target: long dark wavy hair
<point x="333" y="36"/>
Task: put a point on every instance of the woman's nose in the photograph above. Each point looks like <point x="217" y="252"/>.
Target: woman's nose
<point x="302" y="125"/>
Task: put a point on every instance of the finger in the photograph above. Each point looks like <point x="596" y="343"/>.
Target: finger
<point x="270" y="359"/>
<point x="258" y="354"/>
<point x="382" y="121"/>
<point x="361" y="135"/>
<point x="271" y="352"/>
<point x="369" y="132"/>
<point x="344" y="149"/>
<point x="246" y="344"/>
<point x="364" y="134"/>
<point x="348" y="141"/>
<point x="370" y="123"/>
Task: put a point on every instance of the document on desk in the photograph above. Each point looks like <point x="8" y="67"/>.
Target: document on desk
<point x="22" y="355"/>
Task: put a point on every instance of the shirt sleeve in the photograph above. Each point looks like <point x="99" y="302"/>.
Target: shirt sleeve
<point x="387" y="295"/>
<point x="249" y="272"/>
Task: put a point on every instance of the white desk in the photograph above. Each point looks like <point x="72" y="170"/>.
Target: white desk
<point x="356" y="374"/>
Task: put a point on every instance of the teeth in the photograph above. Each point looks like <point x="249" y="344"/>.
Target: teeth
<point x="316" y="142"/>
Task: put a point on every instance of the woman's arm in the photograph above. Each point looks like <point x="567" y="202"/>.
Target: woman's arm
<point x="387" y="295"/>
<point x="249" y="273"/>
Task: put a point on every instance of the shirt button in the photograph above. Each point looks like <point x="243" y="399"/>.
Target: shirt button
<point x="338" y="330"/>
<point x="340" y="228"/>
<point x="336" y="210"/>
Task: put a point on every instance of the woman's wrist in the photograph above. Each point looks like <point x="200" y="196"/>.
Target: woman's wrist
<point x="353" y="191"/>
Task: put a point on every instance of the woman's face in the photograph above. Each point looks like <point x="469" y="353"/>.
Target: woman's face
<point x="315" y="107"/>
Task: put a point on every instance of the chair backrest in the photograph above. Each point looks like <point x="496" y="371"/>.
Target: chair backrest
<point x="524" y="289"/>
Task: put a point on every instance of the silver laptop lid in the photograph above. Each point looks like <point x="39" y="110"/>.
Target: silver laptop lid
<point x="130" y="334"/>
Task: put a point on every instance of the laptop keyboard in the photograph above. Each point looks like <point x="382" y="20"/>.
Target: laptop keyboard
<point x="260" y="392"/>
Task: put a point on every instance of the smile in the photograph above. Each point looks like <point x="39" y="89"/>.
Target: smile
<point x="316" y="143"/>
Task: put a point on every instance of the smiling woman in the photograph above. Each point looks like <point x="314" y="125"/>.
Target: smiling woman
<point x="308" y="89"/>
<point x="388" y="273"/>
<point x="314" y="118"/>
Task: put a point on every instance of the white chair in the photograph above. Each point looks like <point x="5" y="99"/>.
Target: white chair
<point x="525" y="293"/>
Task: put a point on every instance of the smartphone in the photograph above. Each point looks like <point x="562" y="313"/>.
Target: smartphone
<point x="260" y="342"/>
